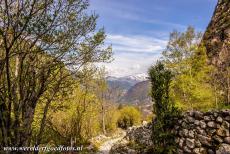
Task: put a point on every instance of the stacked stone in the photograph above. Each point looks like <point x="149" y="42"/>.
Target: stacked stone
<point x="136" y="141"/>
<point x="204" y="133"/>
<point x="140" y="135"/>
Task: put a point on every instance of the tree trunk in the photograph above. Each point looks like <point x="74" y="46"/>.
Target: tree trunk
<point x="103" y="119"/>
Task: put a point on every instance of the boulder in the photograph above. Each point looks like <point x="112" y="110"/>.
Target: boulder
<point x="223" y="149"/>
<point x="219" y="119"/>
<point x="211" y="124"/>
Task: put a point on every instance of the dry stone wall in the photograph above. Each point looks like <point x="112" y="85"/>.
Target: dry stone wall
<point x="196" y="133"/>
<point x="202" y="133"/>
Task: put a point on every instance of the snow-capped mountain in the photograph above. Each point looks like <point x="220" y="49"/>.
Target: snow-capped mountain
<point x="137" y="77"/>
<point x="127" y="82"/>
<point x="133" y="89"/>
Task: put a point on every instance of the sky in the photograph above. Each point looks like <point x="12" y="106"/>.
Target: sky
<point x="138" y="30"/>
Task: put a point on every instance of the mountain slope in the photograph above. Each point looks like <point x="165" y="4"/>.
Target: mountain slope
<point x="139" y="93"/>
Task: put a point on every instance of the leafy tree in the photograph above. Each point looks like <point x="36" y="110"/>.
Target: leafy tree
<point x="164" y="109"/>
<point x="78" y="121"/>
<point x="43" y="43"/>
<point x="102" y="88"/>
<point x="186" y="57"/>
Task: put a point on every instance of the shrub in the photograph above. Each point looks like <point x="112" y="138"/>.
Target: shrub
<point x="129" y="116"/>
<point x="164" y="108"/>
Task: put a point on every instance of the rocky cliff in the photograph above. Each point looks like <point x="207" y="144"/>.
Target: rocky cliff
<point x="217" y="36"/>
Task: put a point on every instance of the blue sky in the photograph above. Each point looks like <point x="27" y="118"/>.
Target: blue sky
<point x="138" y="29"/>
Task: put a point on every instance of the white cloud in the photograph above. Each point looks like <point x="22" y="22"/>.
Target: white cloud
<point x="138" y="44"/>
<point x="130" y="64"/>
<point x="133" y="54"/>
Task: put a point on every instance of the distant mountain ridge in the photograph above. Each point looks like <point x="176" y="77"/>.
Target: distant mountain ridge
<point x="134" y="88"/>
<point x="126" y="82"/>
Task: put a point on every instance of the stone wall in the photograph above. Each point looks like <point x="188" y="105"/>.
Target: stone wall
<point x="202" y="133"/>
<point x="196" y="133"/>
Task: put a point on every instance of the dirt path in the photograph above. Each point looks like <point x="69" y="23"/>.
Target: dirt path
<point x="107" y="145"/>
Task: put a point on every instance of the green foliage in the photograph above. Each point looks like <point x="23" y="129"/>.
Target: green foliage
<point x="73" y="118"/>
<point x="111" y="117"/>
<point x="186" y="57"/>
<point x="166" y="112"/>
<point x="44" y="44"/>
<point x="129" y="116"/>
<point x="76" y="117"/>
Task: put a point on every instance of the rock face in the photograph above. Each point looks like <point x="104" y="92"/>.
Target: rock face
<point x="217" y="36"/>
<point x="196" y="133"/>
<point x="208" y="132"/>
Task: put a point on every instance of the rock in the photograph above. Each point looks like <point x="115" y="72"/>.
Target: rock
<point x="185" y="132"/>
<point x="205" y="140"/>
<point x="177" y="140"/>
<point x="181" y="143"/>
<point x="191" y="120"/>
<point x="225" y="124"/>
<point x="191" y="134"/>
<point x="180" y="151"/>
<point x="210" y="151"/>
<point x="203" y="151"/>
<point x="212" y="117"/>
<point x="211" y="124"/>
<point x="186" y="149"/>
<point x="198" y="115"/>
<point x="215" y="114"/>
<point x="218" y="139"/>
<point x="202" y="124"/>
<point x="211" y="131"/>
<point x="131" y="151"/>
<point x="197" y="143"/>
<point x="227" y="140"/>
<point x="218" y="126"/>
<point x="216" y="37"/>
<point x="226" y="112"/>
<point x="181" y="133"/>
<point x="140" y="135"/>
<point x="177" y="127"/>
<point x="227" y="118"/>
<point x="219" y="119"/>
<point x="222" y="132"/>
<point x="197" y="122"/>
<point x="207" y="118"/>
<point x="196" y="151"/>
<point x="199" y="151"/>
<point x="201" y="131"/>
<point x="184" y="125"/>
<point x="190" y="143"/>
<point x="223" y="149"/>
<point x="191" y="113"/>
